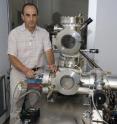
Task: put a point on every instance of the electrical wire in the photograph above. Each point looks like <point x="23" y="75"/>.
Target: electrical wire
<point x="28" y="92"/>
<point x="23" y="94"/>
<point x="97" y="110"/>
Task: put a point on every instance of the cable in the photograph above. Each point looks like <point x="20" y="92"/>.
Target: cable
<point x="76" y="122"/>
<point x="98" y="111"/>
<point x="28" y="92"/>
<point x="24" y="94"/>
<point x="82" y="121"/>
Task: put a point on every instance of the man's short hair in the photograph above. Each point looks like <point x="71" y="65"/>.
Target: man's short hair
<point x="29" y="4"/>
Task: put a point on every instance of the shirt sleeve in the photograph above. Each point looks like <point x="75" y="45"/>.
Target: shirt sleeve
<point x="12" y="47"/>
<point x="47" y="43"/>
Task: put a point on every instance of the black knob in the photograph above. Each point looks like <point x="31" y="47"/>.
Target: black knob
<point x="94" y="50"/>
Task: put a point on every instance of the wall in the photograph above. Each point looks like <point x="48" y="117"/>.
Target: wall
<point x="105" y="34"/>
<point x="45" y="12"/>
<point x="4" y="64"/>
<point x="92" y="13"/>
<point x="64" y="7"/>
<point x="74" y="7"/>
<point x="15" y="7"/>
<point x="48" y="7"/>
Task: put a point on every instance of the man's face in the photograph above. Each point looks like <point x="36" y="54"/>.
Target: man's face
<point x="30" y="17"/>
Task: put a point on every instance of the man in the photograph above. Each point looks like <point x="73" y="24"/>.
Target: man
<point x="26" y="47"/>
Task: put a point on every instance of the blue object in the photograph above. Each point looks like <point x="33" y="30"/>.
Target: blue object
<point x="34" y="81"/>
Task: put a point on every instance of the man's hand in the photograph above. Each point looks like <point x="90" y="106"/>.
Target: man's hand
<point x="21" y="67"/>
<point x="53" y="68"/>
<point x="29" y="73"/>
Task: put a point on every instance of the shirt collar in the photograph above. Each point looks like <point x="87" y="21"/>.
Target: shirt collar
<point x="24" y="28"/>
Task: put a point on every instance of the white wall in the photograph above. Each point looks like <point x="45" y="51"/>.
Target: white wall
<point x="4" y="27"/>
<point x="4" y="64"/>
<point x="104" y="36"/>
<point x="92" y="11"/>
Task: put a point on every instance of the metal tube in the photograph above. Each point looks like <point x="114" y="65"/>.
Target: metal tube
<point x="84" y="90"/>
<point x="110" y="81"/>
<point x="87" y="80"/>
<point x="91" y="61"/>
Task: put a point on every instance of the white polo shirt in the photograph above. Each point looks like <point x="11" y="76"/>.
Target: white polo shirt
<point x="29" y="47"/>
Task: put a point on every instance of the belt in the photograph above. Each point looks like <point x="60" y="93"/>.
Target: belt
<point x="35" y="68"/>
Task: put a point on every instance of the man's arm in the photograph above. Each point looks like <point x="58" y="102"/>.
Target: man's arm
<point x="50" y="57"/>
<point x="51" y="60"/>
<point x="21" y="67"/>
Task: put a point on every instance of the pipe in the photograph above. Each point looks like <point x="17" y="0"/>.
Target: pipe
<point x="84" y="90"/>
<point x="88" y="81"/>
